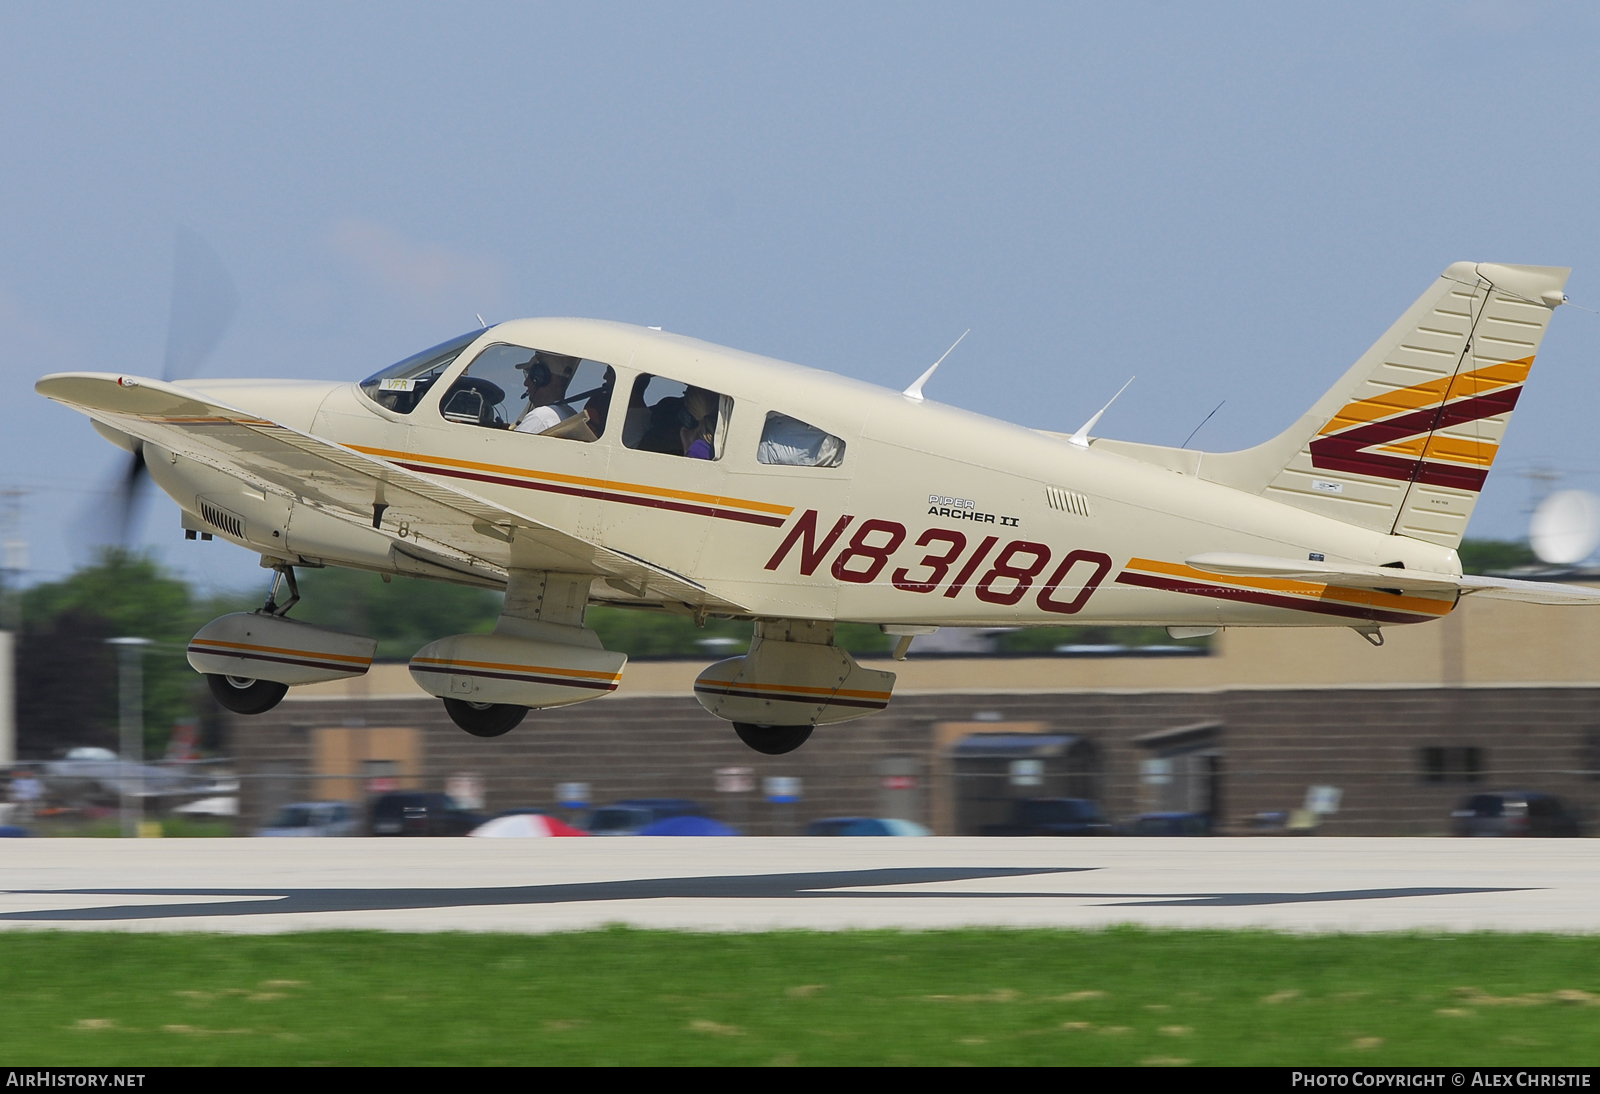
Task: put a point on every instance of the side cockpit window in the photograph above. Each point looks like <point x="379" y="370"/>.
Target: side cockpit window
<point x="790" y="442"/>
<point x="402" y="385"/>
<point x="676" y="419"/>
<point x="532" y="391"/>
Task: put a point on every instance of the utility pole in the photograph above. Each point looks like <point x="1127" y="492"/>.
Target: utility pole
<point x="1542" y="480"/>
<point x="130" y="703"/>
<point x="13" y="564"/>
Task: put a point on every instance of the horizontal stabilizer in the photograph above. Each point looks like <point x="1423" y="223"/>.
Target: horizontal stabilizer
<point x="1529" y="592"/>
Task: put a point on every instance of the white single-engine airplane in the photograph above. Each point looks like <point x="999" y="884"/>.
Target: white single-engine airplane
<point x="574" y="462"/>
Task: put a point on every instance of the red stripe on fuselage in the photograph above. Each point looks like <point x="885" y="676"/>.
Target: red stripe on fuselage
<point x="1274" y="600"/>
<point x="601" y="495"/>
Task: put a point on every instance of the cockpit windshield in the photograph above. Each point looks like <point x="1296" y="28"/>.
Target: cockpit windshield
<point x="402" y="385"/>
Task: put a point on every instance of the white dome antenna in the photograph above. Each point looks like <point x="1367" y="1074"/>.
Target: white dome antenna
<point x="1566" y="527"/>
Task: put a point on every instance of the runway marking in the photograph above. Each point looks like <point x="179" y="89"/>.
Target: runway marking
<point x="1240" y="900"/>
<point x="813" y="885"/>
<point x="722" y="887"/>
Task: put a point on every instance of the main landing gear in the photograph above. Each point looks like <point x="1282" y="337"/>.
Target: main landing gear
<point x="792" y="679"/>
<point x="540" y="655"/>
<point x="772" y="740"/>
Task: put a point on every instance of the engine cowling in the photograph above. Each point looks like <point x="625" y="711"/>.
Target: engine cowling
<point x="258" y="646"/>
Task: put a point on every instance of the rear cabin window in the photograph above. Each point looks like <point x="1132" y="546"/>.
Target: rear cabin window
<point x="790" y="442"/>
<point x="532" y="391"/>
<point x="675" y="419"/>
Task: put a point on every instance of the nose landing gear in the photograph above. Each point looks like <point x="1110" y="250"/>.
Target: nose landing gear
<point x="251" y="659"/>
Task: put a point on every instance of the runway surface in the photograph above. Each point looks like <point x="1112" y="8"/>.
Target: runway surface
<point x="534" y="885"/>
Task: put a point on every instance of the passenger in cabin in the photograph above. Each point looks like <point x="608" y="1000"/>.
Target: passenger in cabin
<point x="674" y="419"/>
<point x="599" y="407"/>
<point x="664" y="433"/>
<point x="545" y="378"/>
<point x="697" y="423"/>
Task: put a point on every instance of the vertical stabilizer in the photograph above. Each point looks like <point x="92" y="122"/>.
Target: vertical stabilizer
<point x="1403" y="442"/>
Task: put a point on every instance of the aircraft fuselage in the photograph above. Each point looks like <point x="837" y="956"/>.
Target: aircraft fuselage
<point x="933" y="516"/>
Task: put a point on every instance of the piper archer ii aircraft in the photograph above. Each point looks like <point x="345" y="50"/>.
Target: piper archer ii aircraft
<point x="574" y="462"/>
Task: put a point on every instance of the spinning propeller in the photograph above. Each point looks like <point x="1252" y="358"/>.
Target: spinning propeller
<point x="204" y="301"/>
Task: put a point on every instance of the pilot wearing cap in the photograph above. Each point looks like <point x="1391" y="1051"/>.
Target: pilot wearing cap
<point x="545" y="379"/>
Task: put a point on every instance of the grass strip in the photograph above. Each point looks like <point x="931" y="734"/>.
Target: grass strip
<point x="622" y="996"/>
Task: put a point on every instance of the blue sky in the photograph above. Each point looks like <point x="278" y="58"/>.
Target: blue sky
<point x="1230" y="201"/>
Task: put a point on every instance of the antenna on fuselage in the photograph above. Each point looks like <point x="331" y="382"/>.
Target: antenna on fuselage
<point x="481" y="324"/>
<point x="1081" y="437"/>
<point x="915" y="390"/>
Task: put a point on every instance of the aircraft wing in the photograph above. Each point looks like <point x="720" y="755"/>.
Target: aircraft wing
<point x="442" y="520"/>
<point x="1353" y="576"/>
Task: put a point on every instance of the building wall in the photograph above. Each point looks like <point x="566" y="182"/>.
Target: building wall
<point x="1274" y="742"/>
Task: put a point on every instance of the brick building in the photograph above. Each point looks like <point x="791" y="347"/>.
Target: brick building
<point x="1496" y="696"/>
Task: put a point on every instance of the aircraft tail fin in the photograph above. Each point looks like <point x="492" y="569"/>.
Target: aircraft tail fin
<point x="1403" y="442"/>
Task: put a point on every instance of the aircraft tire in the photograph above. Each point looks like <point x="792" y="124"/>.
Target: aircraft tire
<point x="772" y="740"/>
<point x="485" y="719"/>
<point x="243" y="695"/>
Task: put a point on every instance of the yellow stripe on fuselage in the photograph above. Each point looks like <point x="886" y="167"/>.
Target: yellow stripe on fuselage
<point x="579" y="480"/>
<point x="1365" y="597"/>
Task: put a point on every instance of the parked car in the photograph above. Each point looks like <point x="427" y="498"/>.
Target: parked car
<point x="864" y="826"/>
<point x="416" y="813"/>
<point x="1166" y="824"/>
<point x="1052" y="817"/>
<point x="314" y="819"/>
<point x="689" y="826"/>
<point x="1513" y="813"/>
<point x="629" y="817"/>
